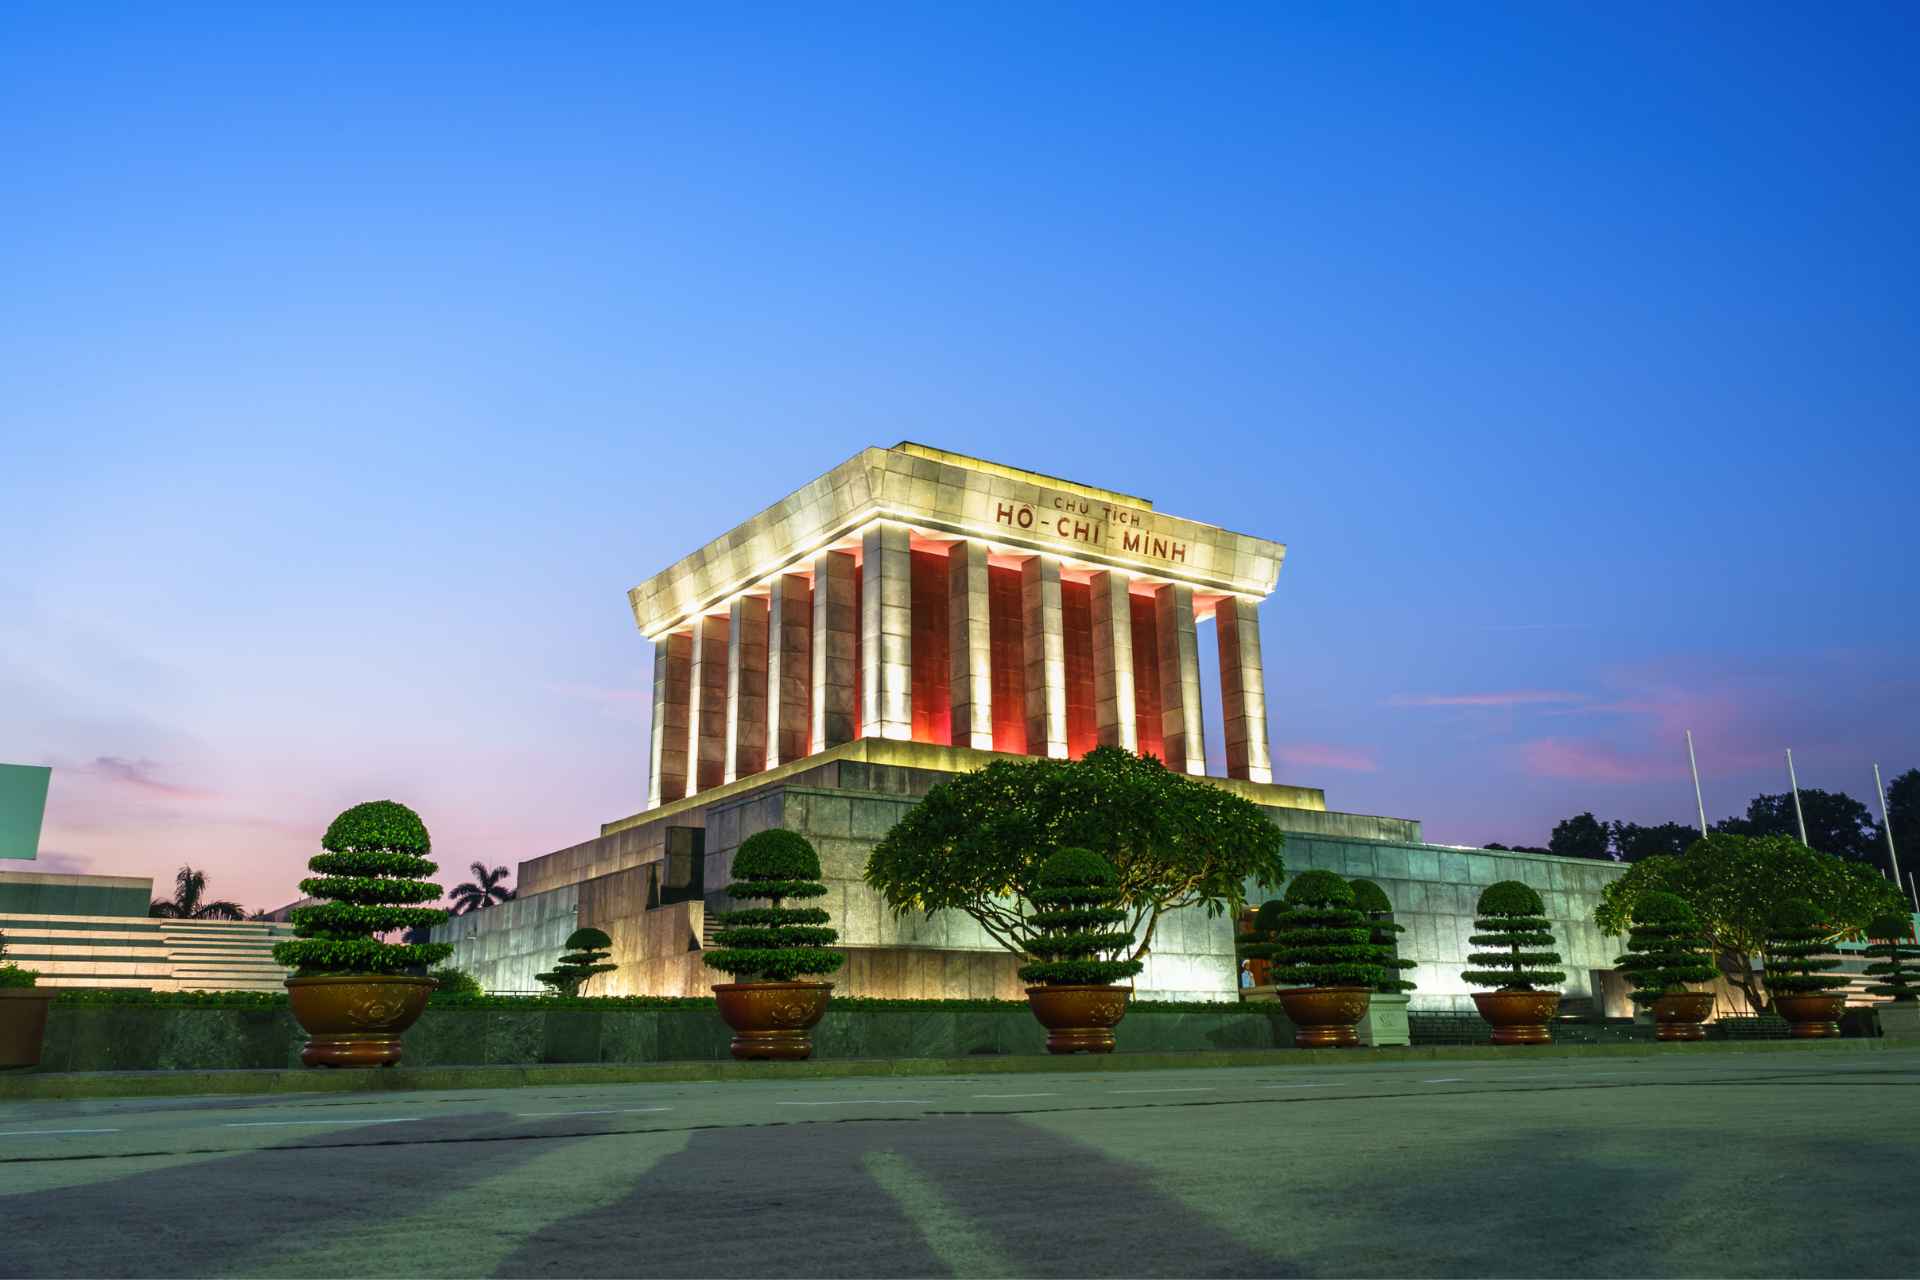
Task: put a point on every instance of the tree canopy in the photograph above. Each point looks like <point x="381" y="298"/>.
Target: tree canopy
<point x="976" y="844"/>
<point x="1581" y="836"/>
<point x="1735" y="884"/>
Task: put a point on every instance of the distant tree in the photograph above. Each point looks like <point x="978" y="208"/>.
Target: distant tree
<point x="482" y="891"/>
<point x="587" y="950"/>
<point x="1632" y="842"/>
<point x="1581" y="836"/>
<point x="1516" y="848"/>
<point x="1836" y="823"/>
<point x="1903" y="815"/>
<point x="189" y="901"/>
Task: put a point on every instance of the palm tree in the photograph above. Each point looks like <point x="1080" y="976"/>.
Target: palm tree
<point x="189" y="890"/>
<point x="480" y="892"/>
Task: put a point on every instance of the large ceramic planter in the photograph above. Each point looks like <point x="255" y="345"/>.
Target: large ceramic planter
<point x="773" y="1019"/>
<point x="1325" y="1017"/>
<point x="356" y="1020"/>
<point x="1811" y="1017"/>
<point x="1079" y="1019"/>
<point x="1385" y="1025"/>
<point x="1678" y="1016"/>
<point x="1519" y="1017"/>
<point x="23" y="1025"/>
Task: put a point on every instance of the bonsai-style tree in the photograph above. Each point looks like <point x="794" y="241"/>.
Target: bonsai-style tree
<point x="1321" y="939"/>
<point x="1372" y="901"/>
<point x="586" y="954"/>
<point x="1258" y="942"/>
<point x="1799" y="952"/>
<point x="1895" y="956"/>
<point x="1077" y="924"/>
<point x="368" y="877"/>
<point x="12" y="975"/>
<point x="774" y="943"/>
<point x="1666" y="949"/>
<point x="1512" y="916"/>
<point x="976" y="844"/>
<point x="1735" y="883"/>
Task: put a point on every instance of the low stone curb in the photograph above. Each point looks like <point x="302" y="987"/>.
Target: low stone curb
<point x="28" y="1086"/>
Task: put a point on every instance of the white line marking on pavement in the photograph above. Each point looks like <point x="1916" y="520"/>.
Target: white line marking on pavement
<point x="41" y="1133"/>
<point x="528" y="1115"/>
<point x="1016" y="1095"/>
<point x="1328" y="1085"/>
<point x="275" y="1124"/>
<point x="866" y="1102"/>
<point x="1203" y="1088"/>
<point x="628" y="1111"/>
<point x="1446" y="1080"/>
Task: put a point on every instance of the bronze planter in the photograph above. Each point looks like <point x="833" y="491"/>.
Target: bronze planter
<point x="1079" y="1019"/>
<point x="1678" y="1015"/>
<point x="355" y="1020"/>
<point x="1812" y="1017"/>
<point x="773" y="1019"/>
<point x="1519" y="1017"/>
<point x="23" y="1025"/>
<point x="1325" y="1017"/>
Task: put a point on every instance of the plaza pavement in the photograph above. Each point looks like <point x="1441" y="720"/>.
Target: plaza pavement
<point x="1784" y="1164"/>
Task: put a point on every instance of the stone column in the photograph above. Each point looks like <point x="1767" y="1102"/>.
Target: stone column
<point x="1114" y="714"/>
<point x="789" y="668"/>
<point x="707" y="705"/>
<point x="835" y="619"/>
<point x="1182" y="736"/>
<point x="746" y="687"/>
<point x="886" y="633"/>
<point x="969" y="646"/>
<point x="1243" y="689"/>
<point x="672" y="659"/>
<point x="1045" y="650"/>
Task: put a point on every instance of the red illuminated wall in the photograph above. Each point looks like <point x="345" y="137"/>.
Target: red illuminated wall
<point x="1076" y="619"/>
<point x="1146" y="676"/>
<point x="1009" y="660"/>
<point x="932" y="693"/>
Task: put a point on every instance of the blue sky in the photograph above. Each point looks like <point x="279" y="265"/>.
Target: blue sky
<point x="356" y="361"/>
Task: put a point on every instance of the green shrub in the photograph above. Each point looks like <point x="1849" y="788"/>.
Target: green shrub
<point x="1372" y="901"/>
<point x="454" y="982"/>
<point x="1511" y="915"/>
<point x="368" y="874"/>
<point x="1799" y="952"/>
<point x="774" y="943"/>
<point x="1315" y="937"/>
<point x="106" y="996"/>
<point x="12" y="975"/>
<point x="1893" y="948"/>
<point x="586" y="953"/>
<point x="1076" y="909"/>
<point x="1666" y="949"/>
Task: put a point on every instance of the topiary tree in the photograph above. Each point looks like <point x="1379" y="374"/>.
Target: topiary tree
<point x="1799" y="952"/>
<point x="1893" y="949"/>
<point x="1511" y="915"/>
<point x="375" y="854"/>
<point x="1077" y="923"/>
<point x="1372" y="901"/>
<point x="12" y="975"/>
<point x="774" y="943"/>
<point x="1321" y="939"/>
<point x="1665" y="950"/>
<point x="586" y="952"/>
<point x="1260" y="939"/>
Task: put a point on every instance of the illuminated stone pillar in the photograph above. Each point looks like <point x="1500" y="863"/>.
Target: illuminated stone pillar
<point x="707" y="705"/>
<point x="970" y="646"/>
<point x="886" y="633"/>
<point x="1182" y="736"/>
<point x="672" y="659"/>
<point x="1243" y="690"/>
<point x="835" y="620"/>
<point x="746" y="687"/>
<point x="789" y="668"/>
<point x="1114" y="710"/>
<point x="1045" y="649"/>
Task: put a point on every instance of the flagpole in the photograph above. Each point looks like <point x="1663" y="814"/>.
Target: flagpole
<point x="1700" y="804"/>
<point x="1794" y="783"/>
<point x="1887" y="826"/>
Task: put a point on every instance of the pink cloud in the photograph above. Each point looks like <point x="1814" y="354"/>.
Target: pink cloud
<point x="1316" y="755"/>
<point x="139" y="775"/>
<point x="1509" y="698"/>
<point x="1596" y="762"/>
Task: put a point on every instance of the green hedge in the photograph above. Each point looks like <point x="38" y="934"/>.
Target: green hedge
<point x="276" y="1000"/>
